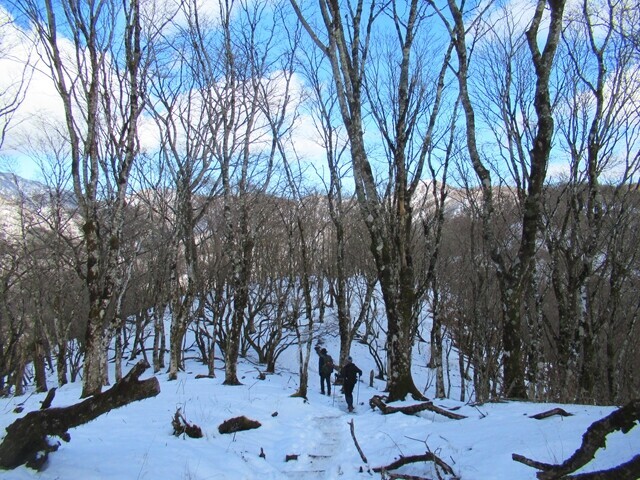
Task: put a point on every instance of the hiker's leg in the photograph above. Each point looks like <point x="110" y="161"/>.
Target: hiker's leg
<point x="348" y="394"/>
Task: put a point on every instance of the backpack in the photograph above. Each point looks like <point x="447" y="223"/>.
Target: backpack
<point x="327" y="366"/>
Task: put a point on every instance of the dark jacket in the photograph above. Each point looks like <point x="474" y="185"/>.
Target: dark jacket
<point x="350" y="373"/>
<point x="326" y="365"/>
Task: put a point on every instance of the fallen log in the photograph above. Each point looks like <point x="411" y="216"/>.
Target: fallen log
<point x="27" y="440"/>
<point x="377" y="402"/>
<point x="551" y="413"/>
<point x="626" y="471"/>
<point x="238" y="424"/>
<point x="427" y="457"/>
<point x="623" y="419"/>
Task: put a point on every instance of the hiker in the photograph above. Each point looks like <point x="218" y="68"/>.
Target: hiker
<point x="350" y="374"/>
<point x="325" y="368"/>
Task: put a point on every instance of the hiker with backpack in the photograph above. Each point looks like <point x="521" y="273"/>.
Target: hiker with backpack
<point x="325" y="367"/>
<point x="350" y="374"/>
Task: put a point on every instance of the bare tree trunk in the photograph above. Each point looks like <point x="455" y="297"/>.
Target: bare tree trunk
<point x="39" y="366"/>
<point x="61" y="363"/>
<point x="117" y="357"/>
<point x="388" y="220"/>
<point x="95" y="356"/>
<point x="513" y="275"/>
<point x="436" y="346"/>
<point x="100" y="170"/>
<point x="19" y="369"/>
<point x="180" y="319"/>
<point x="158" y="337"/>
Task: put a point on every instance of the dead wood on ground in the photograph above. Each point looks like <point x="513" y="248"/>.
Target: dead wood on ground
<point x="353" y="435"/>
<point x="377" y="402"/>
<point x="181" y="426"/>
<point x="238" y="424"/>
<point x="27" y="439"/>
<point x="46" y="403"/>
<point x="403" y="476"/>
<point x="551" y="413"/>
<point x="427" y="457"/>
<point x="623" y="419"/>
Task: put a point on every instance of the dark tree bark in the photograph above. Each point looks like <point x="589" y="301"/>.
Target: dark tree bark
<point x="427" y="457"/>
<point x="26" y="440"/>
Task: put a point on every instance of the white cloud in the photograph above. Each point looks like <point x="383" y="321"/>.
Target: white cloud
<point x="42" y="104"/>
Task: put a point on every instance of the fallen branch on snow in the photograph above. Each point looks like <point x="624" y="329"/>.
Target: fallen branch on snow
<point x="551" y="413"/>
<point x="238" y="424"/>
<point x="427" y="457"/>
<point x="623" y="419"/>
<point x="353" y="435"/>
<point x="377" y="402"/>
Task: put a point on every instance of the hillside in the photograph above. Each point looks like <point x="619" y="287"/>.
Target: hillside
<point x="136" y="441"/>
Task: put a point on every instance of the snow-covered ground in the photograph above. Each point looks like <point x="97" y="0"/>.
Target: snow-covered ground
<point x="136" y="441"/>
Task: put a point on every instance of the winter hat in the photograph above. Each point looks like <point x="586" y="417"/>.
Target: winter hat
<point x="349" y="359"/>
<point x="324" y="350"/>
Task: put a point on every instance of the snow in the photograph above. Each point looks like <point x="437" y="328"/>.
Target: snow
<point x="13" y="187"/>
<point x="136" y="441"/>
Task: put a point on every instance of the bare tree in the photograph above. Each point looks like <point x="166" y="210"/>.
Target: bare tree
<point x="392" y="84"/>
<point x="185" y="112"/>
<point x="432" y="210"/>
<point x="513" y="272"/>
<point x="587" y="209"/>
<point x="305" y="227"/>
<point x="349" y="286"/>
<point x="256" y="113"/>
<point x="271" y="332"/>
<point x="155" y="261"/>
<point x="99" y="84"/>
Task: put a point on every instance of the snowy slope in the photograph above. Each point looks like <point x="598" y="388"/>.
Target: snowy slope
<point x="136" y="441"/>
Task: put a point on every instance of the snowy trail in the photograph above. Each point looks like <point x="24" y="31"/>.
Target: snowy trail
<point x="325" y="440"/>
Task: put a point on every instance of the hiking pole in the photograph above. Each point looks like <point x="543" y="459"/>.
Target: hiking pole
<point x="333" y="401"/>
<point x="358" y="393"/>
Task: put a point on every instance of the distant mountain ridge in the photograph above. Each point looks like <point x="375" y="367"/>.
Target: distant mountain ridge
<point x="12" y="187"/>
<point x="30" y="201"/>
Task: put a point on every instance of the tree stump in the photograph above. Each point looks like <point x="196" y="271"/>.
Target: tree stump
<point x="27" y="440"/>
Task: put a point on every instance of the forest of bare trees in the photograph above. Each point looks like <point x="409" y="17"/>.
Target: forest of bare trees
<point x="459" y="174"/>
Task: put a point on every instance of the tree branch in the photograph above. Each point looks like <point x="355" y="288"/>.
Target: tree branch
<point x="623" y="419"/>
<point x="376" y="401"/>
